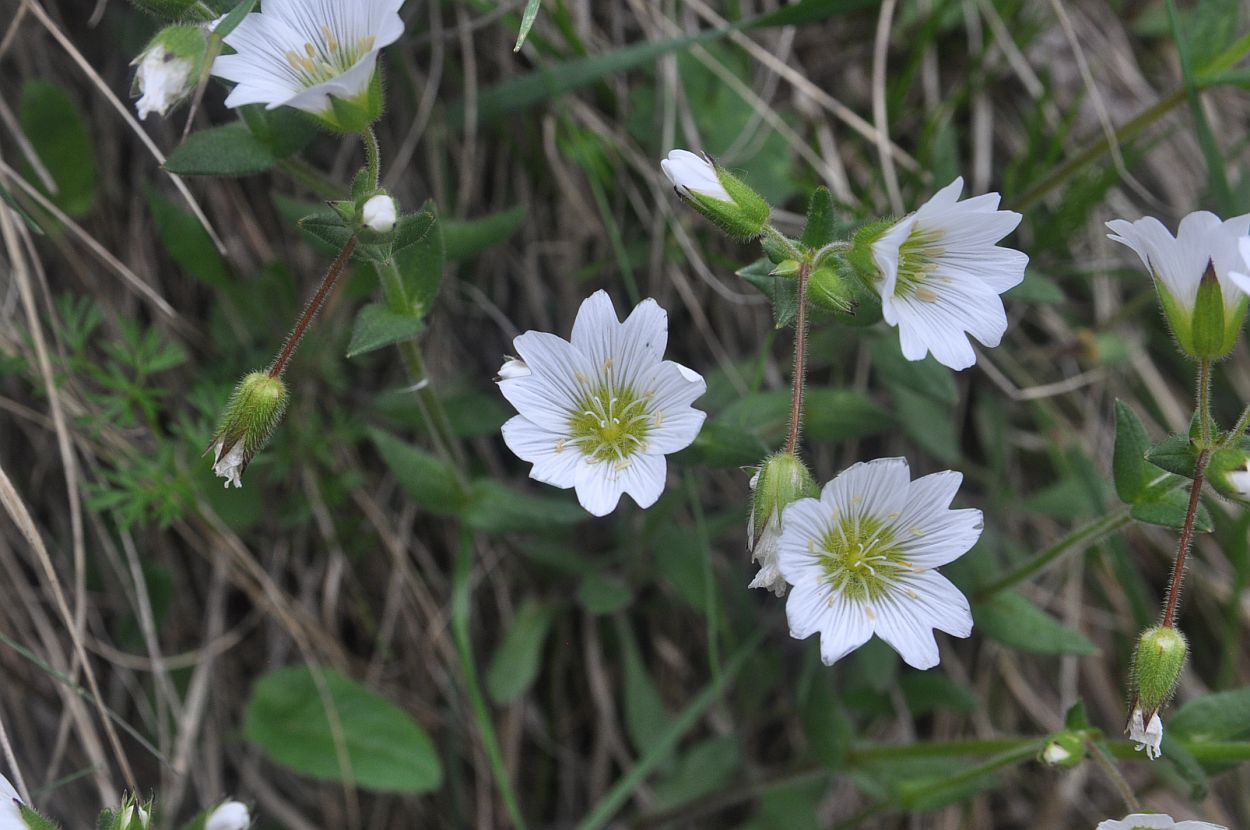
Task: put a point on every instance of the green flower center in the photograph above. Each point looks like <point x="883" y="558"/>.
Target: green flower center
<point x="861" y="557"/>
<point x="611" y="423"/>
<point x="328" y="59"/>
<point x="917" y="259"/>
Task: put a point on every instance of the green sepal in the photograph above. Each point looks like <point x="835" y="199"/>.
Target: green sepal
<point x="1064" y="750"/>
<point x="783" y="479"/>
<point x="1179" y="320"/>
<point x="753" y="211"/>
<point x="819" y="230"/>
<point x="860" y="254"/>
<point x="778" y="249"/>
<point x="1208" y="319"/>
<point x="787" y="268"/>
<point x="827" y="289"/>
<point x="357" y="114"/>
<point x="345" y="209"/>
<point x="1157" y="663"/>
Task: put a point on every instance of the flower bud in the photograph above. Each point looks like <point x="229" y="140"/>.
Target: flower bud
<point x="1157" y="665"/>
<point x="131" y="816"/>
<point x="232" y="815"/>
<point x="716" y="193"/>
<point x="169" y="68"/>
<point x="1229" y="473"/>
<point x="513" y="367"/>
<point x="253" y="411"/>
<point x="1064" y="749"/>
<point x="379" y="214"/>
<point x="780" y="480"/>
<point x="827" y="289"/>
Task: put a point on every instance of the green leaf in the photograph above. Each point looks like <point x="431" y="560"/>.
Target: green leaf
<point x="427" y="478"/>
<point x="825" y="724"/>
<point x="646" y="717"/>
<point x="782" y="292"/>
<point x="57" y="131"/>
<point x="494" y="507"/>
<point x="603" y="593"/>
<point x="929" y="691"/>
<point x="387" y="750"/>
<point x="1222" y="716"/>
<point x="1128" y="466"/>
<point x="188" y="243"/>
<point x="414" y="227"/>
<point x="925" y="377"/>
<point x="1176" y="454"/>
<point x="229" y="150"/>
<point x="462" y="240"/>
<point x="516" y="663"/>
<point x="527" y="22"/>
<point x="836" y="415"/>
<point x="421" y="262"/>
<point x="927" y="422"/>
<point x="723" y="446"/>
<point x="1168" y="509"/>
<point x="810" y="11"/>
<point x="1014" y="621"/>
<point x="819" y="230"/>
<point x="378" y="326"/>
<point x="285" y="130"/>
<point x="705" y="768"/>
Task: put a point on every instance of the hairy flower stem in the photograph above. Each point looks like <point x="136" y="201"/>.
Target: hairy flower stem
<point x="1109" y="768"/>
<point x="373" y="157"/>
<point x="1204" y="403"/>
<point x="800" y="362"/>
<point x="1243" y="423"/>
<point x="311" y="308"/>
<point x="1182" y="547"/>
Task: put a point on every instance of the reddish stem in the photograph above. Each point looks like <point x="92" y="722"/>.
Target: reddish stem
<point x="313" y="306"/>
<point x="800" y="363"/>
<point x="1182" y="549"/>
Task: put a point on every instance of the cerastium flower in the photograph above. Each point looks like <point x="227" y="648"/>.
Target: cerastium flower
<point x="318" y="56"/>
<point x="862" y="559"/>
<point x="1157" y="664"/>
<point x="600" y="411"/>
<point x="939" y="272"/>
<point x="168" y="68"/>
<point x="1156" y="821"/>
<point x="254" y="410"/>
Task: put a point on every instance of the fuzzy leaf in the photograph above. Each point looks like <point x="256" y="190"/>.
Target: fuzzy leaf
<point x="427" y="478"/>
<point x="782" y="292"/>
<point x="56" y="129"/>
<point x="819" y="230"/>
<point x="1014" y="621"/>
<point x="378" y="326"/>
<point x="229" y="150"/>
<point x="518" y="660"/>
<point x="1168" y="509"/>
<point x="1129" y="467"/>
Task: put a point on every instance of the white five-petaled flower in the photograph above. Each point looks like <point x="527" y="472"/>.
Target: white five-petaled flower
<point x="693" y="174"/>
<point x="10" y="813"/>
<point x="1156" y="821"/>
<point x="862" y="561"/>
<point x="940" y="271"/>
<point x="232" y="815"/>
<point x="230" y="465"/>
<point x="1147" y="736"/>
<point x="379" y="213"/>
<point x="299" y="53"/>
<point x="599" y="413"/>
<point x="763" y="548"/>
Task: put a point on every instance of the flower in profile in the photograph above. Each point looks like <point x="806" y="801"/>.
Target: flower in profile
<point x="318" y="56"/>
<point x="168" y="69"/>
<point x="939" y="272"/>
<point x="232" y="815"/>
<point x="1155" y="821"/>
<point x="693" y="175"/>
<point x="1198" y="274"/>
<point x="1148" y="735"/>
<point x="779" y="482"/>
<point x="716" y="193"/>
<point x="862" y="561"/>
<point x="255" y="408"/>
<point x="600" y="411"/>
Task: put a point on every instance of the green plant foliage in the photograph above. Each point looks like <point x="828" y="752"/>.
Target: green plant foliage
<point x="517" y="661"/>
<point x="1014" y="621"/>
<point x="58" y="132"/>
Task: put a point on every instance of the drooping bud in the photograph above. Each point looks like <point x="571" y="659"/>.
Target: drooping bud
<point x="255" y="408"/>
<point x="169" y="68"/>
<point x="1157" y="665"/>
<point x="827" y="289"/>
<point x="781" y="480"/>
<point x="232" y="815"/>
<point x="1229" y="473"/>
<point x="1064" y="749"/>
<point x="718" y="194"/>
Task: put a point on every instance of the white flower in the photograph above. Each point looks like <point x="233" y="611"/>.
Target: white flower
<point x="693" y="174"/>
<point x="764" y="550"/>
<point x="10" y="815"/>
<point x="1156" y="821"/>
<point x="1055" y="754"/>
<point x="162" y="80"/>
<point x="861" y="559"/>
<point x="1146" y="736"/>
<point x="231" y="815"/>
<point x="599" y="413"/>
<point x="298" y="53"/>
<point x="513" y="367"/>
<point x="379" y="213"/>
<point x="1240" y="279"/>
<point x="1239" y="480"/>
<point x="230" y="466"/>
<point x="939" y="274"/>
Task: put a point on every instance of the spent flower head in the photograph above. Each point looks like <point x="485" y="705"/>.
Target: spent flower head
<point x="939" y="273"/>
<point x="1156" y="821"/>
<point x="168" y="68"/>
<point x="780" y="481"/>
<point x="254" y="409"/>
<point x="600" y="411"/>
<point x="1147" y="734"/>
<point x="318" y="56"/>
<point x="1193" y="271"/>
<point x="862" y="559"/>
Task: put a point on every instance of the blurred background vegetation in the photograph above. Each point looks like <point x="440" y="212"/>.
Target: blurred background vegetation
<point x="492" y="653"/>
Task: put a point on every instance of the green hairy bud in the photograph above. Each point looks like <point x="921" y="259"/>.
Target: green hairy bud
<point x="1157" y="665"/>
<point x="783" y="478"/>
<point x="1229" y="473"/>
<point x="718" y="194"/>
<point x="254" y="410"/>
<point x="827" y="289"/>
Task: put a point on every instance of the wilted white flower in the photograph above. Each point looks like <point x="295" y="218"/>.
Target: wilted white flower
<point x="1155" y="821"/>
<point x="1055" y="754"/>
<point x="763" y="543"/>
<point x="599" y="413"/>
<point x="862" y="560"/>
<point x="229" y="465"/>
<point x="692" y="174"/>
<point x="513" y="367"/>
<point x="939" y="274"/>
<point x="10" y="814"/>
<point x="300" y="53"/>
<point x="1239" y="480"/>
<point x="1178" y="265"/>
<point x="780" y="481"/>
<point x="1147" y="736"/>
<point x="379" y="213"/>
<point x="232" y="815"/>
<point x="162" y="80"/>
